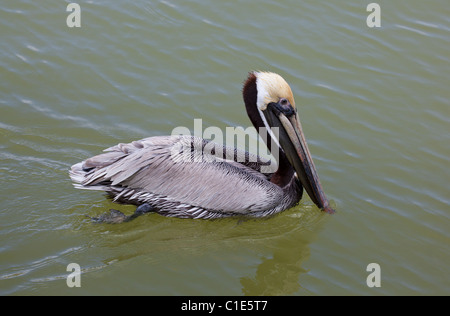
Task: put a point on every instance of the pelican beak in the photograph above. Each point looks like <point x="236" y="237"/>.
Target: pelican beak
<point x="293" y="143"/>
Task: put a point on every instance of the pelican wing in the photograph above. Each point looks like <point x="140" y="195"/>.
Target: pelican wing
<point x="181" y="171"/>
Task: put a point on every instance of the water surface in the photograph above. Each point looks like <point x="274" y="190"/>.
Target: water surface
<point x="374" y="105"/>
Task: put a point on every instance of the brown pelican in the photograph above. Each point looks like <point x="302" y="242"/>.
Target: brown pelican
<point x="151" y="174"/>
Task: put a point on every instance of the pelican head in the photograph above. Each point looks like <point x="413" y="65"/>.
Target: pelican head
<point x="271" y="96"/>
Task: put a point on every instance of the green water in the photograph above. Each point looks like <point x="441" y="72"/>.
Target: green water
<point x="374" y="105"/>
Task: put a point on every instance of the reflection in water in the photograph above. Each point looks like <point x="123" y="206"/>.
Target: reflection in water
<point x="279" y="274"/>
<point x="282" y="242"/>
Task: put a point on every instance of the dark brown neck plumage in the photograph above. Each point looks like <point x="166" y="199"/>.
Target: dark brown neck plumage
<point x="285" y="172"/>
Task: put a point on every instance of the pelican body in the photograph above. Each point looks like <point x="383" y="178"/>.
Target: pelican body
<point x="152" y="174"/>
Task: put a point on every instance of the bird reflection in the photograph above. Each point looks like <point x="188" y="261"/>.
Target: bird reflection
<point x="280" y="273"/>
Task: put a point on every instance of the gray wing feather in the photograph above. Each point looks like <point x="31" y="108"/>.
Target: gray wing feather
<point x="179" y="169"/>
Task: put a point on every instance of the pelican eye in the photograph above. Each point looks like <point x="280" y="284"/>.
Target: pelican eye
<point x="285" y="107"/>
<point x="284" y="102"/>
